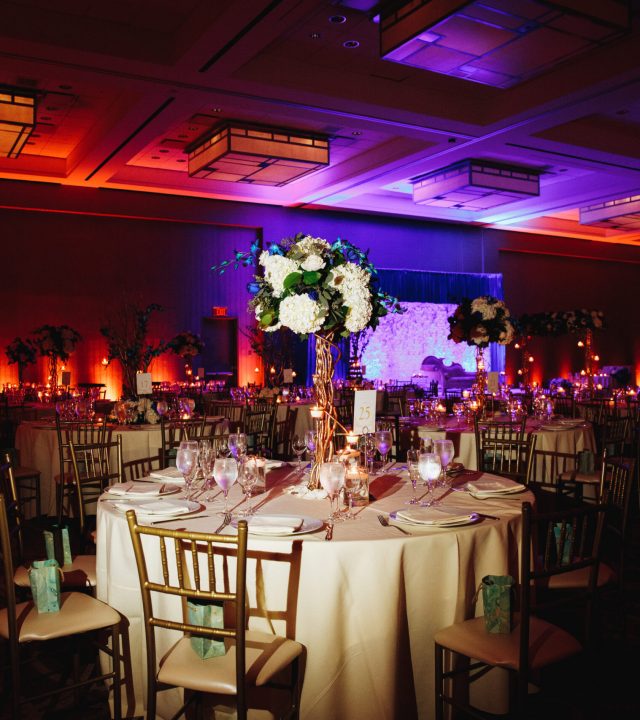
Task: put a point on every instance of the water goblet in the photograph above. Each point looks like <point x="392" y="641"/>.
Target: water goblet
<point x="383" y="444"/>
<point x="162" y="407"/>
<point x="225" y="473"/>
<point x="186" y="462"/>
<point x="413" y="458"/>
<point x="299" y="447"/>
<point x="311" y="440"/>
<point x="237" y="443"/>
<point x="444" y="450"/>
<point x="332" y="475"/>
<point x="248" y="472"/>
<point x="429" y="468"/>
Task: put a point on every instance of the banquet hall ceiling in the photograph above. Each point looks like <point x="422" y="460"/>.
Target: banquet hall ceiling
<point x="124" y="87"/>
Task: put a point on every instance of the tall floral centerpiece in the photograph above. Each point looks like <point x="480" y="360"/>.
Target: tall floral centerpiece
<point x="57" y="343"/>
<point x="316" y="288"/>
<point x="186" y="345"/>
<point x="22" y="353"/>
<point x="479" y="322"/>
<point x="126" y="334"/>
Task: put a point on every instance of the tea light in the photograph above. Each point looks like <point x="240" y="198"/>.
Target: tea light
<point x="352" y="438"/>
<point x="466" y="394"/>
<point x="316" y="412"/>
<point x="441" y="408"/>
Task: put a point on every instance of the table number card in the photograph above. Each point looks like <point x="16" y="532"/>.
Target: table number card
<point x="493" y="382"/>
<point x="143" y="384"/>
<point x="66" y="378"/>
<point x="201" y="373"/>
<point x="287" y="376"/>
<point x="364" y="411"/>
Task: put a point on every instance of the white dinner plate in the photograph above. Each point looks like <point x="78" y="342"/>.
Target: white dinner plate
<point x="160" y="507"/>
<point x="308" y="525"/>
<point x="141" y="490"/>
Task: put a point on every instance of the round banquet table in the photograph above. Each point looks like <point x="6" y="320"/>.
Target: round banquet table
<point x="365" y="605"/>
<point x="549" y="436"/>
<point x="38" y="445"/>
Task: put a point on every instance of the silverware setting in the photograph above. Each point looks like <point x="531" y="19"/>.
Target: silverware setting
<point x="329" y="534"/>
<point x="226" y="520"/>
<point x="385" y="523"/>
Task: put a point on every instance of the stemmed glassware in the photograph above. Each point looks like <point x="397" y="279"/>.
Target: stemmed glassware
<point x="248" y="478"/>
<point x="162" y="407"/>
<point x="383" y="444"/>
<point x="332" y="476"/>
<point x="444" y="450"/>
<point x="311" y="441"/>
<point x="299" y="447"/>
<point x="237" y="443"/>
<point x="429" y="468"/>
<point x="225" y="473"/>
<point x="413" y="457"/>
<point x="206" y="459"/>
<point x="187" y="464"/>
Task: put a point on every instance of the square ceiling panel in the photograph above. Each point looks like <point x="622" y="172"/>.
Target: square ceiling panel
<point x="496" y="42"/>
<point x="620" y="214"/>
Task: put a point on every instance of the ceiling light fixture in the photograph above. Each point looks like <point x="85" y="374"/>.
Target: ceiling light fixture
<point x="238" y="152"/>
<point x="494" y="42"/>
<point x="475" y="185"/>
<point x="619" y="214"/>
<point x="17" y="120"/>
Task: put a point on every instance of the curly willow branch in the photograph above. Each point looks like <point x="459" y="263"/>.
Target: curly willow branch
<point x="323" y="383"/>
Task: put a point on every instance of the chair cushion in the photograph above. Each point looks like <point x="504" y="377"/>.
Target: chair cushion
<point x="548" y="643"/>
<point x="78" y="613"/>
<point x="575" y="579"/>
<point x="81" y="573"/>
<point x="266" y="655"/>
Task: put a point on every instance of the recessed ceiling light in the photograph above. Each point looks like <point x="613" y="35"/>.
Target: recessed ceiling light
<point x="181" y="160"/>
<point x="357" y="132"/>
<point x="216" y="109"/>
<point x="163" y="151"/>
<point x="337" y="19"/>
<point x="351" y="44"/>
<point x="315" y="36"/>
<point x="155" y="157"/>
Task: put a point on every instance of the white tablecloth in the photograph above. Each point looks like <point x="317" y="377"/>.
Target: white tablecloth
<point x="366" y="605"/>
<point x="560" y="439"/>
<point x="38" y="445"/>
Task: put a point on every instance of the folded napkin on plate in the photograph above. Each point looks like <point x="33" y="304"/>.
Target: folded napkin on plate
<point x="157" y="507"/>
<point x="493" y="487"/>
<point x="432" y="516"/>
<point x="136" y="488"/>
<point x="168" y="475"/>
<point x="274" y="525"/>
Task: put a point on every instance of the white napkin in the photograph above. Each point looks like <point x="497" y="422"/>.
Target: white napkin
<point x="493" y="487"/>
<point x="168" y="475"/>
<point x="303" y="491"/>
<point x="136" y="488"/>
<point x="431" y="516"/>
<point x="272" y="464"/>
<point x="157" y="507"/>
<point x="274" y="524"/>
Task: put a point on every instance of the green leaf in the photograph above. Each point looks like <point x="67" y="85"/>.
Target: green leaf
<point x="266" y="318"/>
<point x="310" y="278"/>
<point x="291" y="280"/>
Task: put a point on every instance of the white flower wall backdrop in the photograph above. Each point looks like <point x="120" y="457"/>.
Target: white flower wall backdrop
<point x="401" y="342"/>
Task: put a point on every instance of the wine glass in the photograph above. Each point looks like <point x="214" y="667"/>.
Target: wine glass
<point x="237" y="443"/>
<point x="332" y="475"/>
<point x="186" y="462"/>
<point x="299" y="446"/>
<point x="353" y="485"/>
<point x="429" y="468"/>
<point x="383" y="444"/>
<point x="248" y="478"/>
<point x="162" y="407"/>
<point x="311" y="441"/>
<point x="225" y="473"/>
<point x="444" y="450"/>
<point x="413" y="458"/>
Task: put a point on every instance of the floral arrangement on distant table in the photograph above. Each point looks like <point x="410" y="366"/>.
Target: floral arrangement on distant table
<point x="136" y="412"/>
<point x="482" y="321"/>
<point x="58" y="343"/>
<point x="22" y="353"/>
<point x="561" y="322"/>
<point x="186" y="344"/>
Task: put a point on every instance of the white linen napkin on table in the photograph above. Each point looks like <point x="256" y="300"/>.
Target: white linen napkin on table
<point x="136" y="488"/>
<point x="157" y="507"/>
<point x="493" y="487"/>
<point x="274" y="525"/>
<point x="168" y="475"/>
<point x="432" y="516"/>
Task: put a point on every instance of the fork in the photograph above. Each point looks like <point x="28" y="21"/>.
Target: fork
<point x="225" y="521"/>
<point x="385" y="523"/>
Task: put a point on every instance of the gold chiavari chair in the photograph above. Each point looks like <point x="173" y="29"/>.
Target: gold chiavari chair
<point x="194" y="567"/>
<point x="21" y="624"/>
<point x="553" y="544"/>
<point x="173" y="432"/>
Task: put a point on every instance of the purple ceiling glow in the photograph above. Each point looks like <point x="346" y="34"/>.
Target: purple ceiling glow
<point x="496" y="42"/>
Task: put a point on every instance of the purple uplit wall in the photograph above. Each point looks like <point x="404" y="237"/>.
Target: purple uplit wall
<point x="70" y="254"/>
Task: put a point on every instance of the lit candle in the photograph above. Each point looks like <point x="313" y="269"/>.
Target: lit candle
<point x="465" y="394"/>
<point x="316" y="412"/>
<point x="352" y="438"/>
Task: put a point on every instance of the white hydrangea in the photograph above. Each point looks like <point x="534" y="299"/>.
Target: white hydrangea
<point x="301" y="314"/>
<point x="480" y="304"/>
<point x="358" y="317"/>
<point x="313" y="262"/>
<point x="507" y="335"/>
<point x="312" y="246"/>
<point x="276" y="269"/>
<point x="351" y="281"/>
